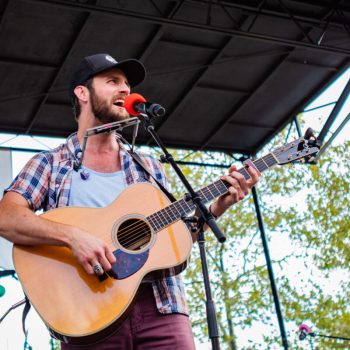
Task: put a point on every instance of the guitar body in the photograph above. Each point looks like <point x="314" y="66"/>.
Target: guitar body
<point x="78" y="307"/>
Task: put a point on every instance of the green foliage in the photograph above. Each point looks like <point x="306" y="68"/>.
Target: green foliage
<point x="55" y="344"/>
<point x="306" y="218"/>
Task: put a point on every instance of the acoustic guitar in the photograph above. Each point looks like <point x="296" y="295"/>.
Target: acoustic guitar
<point x="149" y="240"/>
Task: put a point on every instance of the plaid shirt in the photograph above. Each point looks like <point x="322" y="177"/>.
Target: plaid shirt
<point x="45" y="183"/>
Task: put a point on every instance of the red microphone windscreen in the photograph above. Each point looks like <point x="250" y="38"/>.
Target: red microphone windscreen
<point x="304" y="327"/>
<point x="130" y="102"/>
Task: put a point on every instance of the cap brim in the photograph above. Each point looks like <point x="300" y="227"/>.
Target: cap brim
<point x="134" y="71"/>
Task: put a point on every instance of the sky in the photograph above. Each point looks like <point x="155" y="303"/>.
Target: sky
<point x="11" y="335"/>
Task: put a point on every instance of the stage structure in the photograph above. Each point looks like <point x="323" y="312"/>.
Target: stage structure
<point x="231" y="74"/>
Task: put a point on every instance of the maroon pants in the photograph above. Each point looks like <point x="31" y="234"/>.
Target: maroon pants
<point x="146" y="328"/>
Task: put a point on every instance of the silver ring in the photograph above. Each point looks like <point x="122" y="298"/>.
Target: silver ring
<point x="98" y="269"/>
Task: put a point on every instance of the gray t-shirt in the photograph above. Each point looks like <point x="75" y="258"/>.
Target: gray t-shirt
<point x="93" y="189"/>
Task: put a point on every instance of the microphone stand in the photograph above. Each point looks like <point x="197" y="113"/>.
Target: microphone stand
<point x="205" y="218"/>
<point x="305" y="331"/>
<point x="313" y="334"/>
<point x="4" y="273"/>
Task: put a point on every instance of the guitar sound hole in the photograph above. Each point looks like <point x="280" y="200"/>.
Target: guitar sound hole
<point x="134" y="234"/>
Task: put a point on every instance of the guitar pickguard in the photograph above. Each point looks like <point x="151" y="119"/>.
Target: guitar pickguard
<point x="127" y="264"/>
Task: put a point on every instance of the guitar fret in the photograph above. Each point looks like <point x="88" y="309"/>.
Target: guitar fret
<point x="208" y="193"/>
<point x="171" y="215"/>
<point x="270" y="159"/>
<point x="154" y="222"/>
<point x="222" y="187"/>
<point x="180" y="203"/>
<point x="187" y="206"/>
<point x="261" y="164"/>
<point x="190" y="206"/>
<point x="215" y="184"/>
<point x="175" y="206"/>
<point x="151" y="221"/>
<point x="159" y="219"/>
<point x="168" y="217"/>
<point x="204" y="194"/>
<point x="162" y="216"/>
<point x="265" y="162"/>
<point x="245" y="173"/>
<point x="215" y="192"/>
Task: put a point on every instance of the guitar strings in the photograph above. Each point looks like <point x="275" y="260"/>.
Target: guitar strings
<point x="142" y="232"/>
<point x="132" y="232"/>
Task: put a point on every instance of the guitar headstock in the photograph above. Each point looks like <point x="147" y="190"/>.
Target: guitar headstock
<point x="305" y="148"/>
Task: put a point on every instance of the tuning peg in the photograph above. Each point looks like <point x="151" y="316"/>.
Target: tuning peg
<point x="312" y="160"/>
<point x="309" y="133"/>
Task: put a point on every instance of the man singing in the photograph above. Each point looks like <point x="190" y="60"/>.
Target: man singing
<point x="158" y="318"/>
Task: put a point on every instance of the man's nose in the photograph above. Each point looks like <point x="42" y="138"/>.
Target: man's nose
<point x="124" y="87"/>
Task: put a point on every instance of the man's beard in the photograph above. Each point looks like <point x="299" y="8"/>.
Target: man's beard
<point x="104" y="112"/>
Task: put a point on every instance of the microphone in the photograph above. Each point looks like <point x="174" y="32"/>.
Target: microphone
<point x="304" y="331"/>
<point x="135" y="104"/>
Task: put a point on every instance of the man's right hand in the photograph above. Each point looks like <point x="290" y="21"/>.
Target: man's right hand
<point x="90" y="251"/>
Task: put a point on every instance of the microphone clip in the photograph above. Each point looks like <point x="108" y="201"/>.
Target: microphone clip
<point x="150" y="109"/>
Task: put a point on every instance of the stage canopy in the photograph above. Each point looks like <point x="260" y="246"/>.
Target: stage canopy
<point x="230" y="74"/>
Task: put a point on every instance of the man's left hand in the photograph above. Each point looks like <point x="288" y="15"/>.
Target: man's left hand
<point x="239" y="188"/>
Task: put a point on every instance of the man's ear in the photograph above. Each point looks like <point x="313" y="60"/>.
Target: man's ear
<point x="82" y="93"/>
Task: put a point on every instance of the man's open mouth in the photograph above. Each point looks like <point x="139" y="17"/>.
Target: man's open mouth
<point x="119" y="103"/>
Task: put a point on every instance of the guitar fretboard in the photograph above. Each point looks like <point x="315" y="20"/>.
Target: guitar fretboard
<point x="183" y="207"/>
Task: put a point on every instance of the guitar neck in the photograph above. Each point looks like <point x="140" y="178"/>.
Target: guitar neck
<point x="183" y="207"/>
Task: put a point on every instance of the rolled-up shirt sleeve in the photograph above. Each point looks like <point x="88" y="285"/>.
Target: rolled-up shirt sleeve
<point x="33" y="181"/>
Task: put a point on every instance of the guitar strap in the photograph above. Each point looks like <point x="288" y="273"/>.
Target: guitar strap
<point x="141" y="163"/>
<point x="25" y="313"/>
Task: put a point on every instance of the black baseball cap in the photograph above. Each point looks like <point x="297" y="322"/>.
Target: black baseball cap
<point x="133" y="69"/>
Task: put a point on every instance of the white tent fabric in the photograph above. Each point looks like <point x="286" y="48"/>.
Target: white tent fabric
<point x="6" y="261"/>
